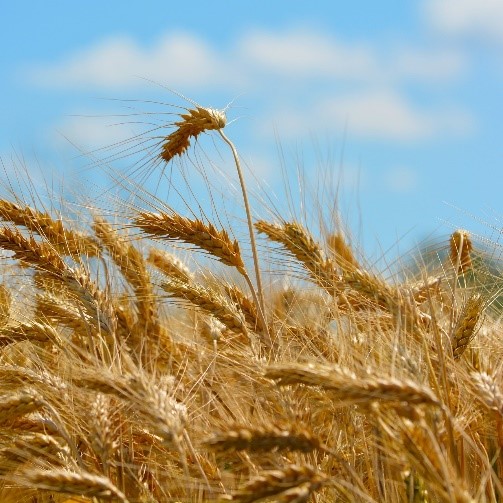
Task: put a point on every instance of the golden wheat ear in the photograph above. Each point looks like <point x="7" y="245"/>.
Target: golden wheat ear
<point x="460" y="251"/>
<point x="193" y="123"/>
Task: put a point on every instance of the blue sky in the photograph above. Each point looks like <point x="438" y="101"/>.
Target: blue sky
<point x="399" y="101"/>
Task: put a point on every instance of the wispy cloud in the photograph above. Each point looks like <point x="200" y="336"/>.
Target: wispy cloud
<point x="401" y="179"/>
<point x="373" y="114"/>
<point x="481" y="18"/>
<point x="179" y="58"/>
<point x="351" y="82"/>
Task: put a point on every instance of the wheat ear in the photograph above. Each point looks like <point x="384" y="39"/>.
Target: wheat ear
<point x="489" y="391"/>
<point x="132" y="266"/>
<point x="346" y="386"/>
<point x="65" y="481"/>
<point x="195" y="232"/>
<point x="18" y="405"/>
<point x="267" y="438"/>
<point x="193" y="123"/>
<point x="209" y="301"/>
<point x="460" y="246"/>
<point x="5" y="304"/>
<point x="293" y="483"/>
<point x="466" y="325"/>
<point x="299" y="242"/>
<point x="342" y="253"/>
<point x="169" y="265"/>
<point x="67" y="242"/>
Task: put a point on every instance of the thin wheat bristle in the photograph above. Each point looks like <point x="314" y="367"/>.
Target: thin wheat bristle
<point x="193" y="123"/>
<point x="460" y="251"/>
<point x="465" y="328"/>
<point x="195" y="232"/>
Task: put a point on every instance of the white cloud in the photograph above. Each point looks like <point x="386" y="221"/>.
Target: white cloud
<point x="180" y="59"/>
<point x="308" y="54"/>
<point x="401" y="179"/>
<point x="364" y="82"/>
<point x="90" y="132"/>
<point x="482" y="18"/>
<point x="372" y="114"/>
<point x="429" y="66"/>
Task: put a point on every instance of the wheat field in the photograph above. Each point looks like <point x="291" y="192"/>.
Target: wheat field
<point x="131" y="374"/>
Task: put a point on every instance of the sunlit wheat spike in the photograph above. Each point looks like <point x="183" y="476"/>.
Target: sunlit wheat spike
<point x="65" y="481"/>
<point x="245" y="305"/>
<point x="32" y="331"/>
<point x="343" y="254"/>
<point x="195" y="232"/>
<point x="299" y="242"/>
<point x="194" y="122"/>
<point x="460" y="251"/>
<point x="5" y="304"/>
<point x="466" y="325"/>
<point x="101" y="428"/>
<point x="132" y="265"/>
<point x="169" y="265"/>
<point x="30" y="252"/>
<point x="282" y="484"/>
<point x="255" y="439"/>
<point x="489" y="391"/>
<point x="12" y="406"/>
<point x="346" y="386"/>
<point x="210" y="301"/>
<point x="65" y="241"/>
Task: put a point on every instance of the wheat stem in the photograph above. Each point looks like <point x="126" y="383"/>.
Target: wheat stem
<point x="260" y="292"/>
